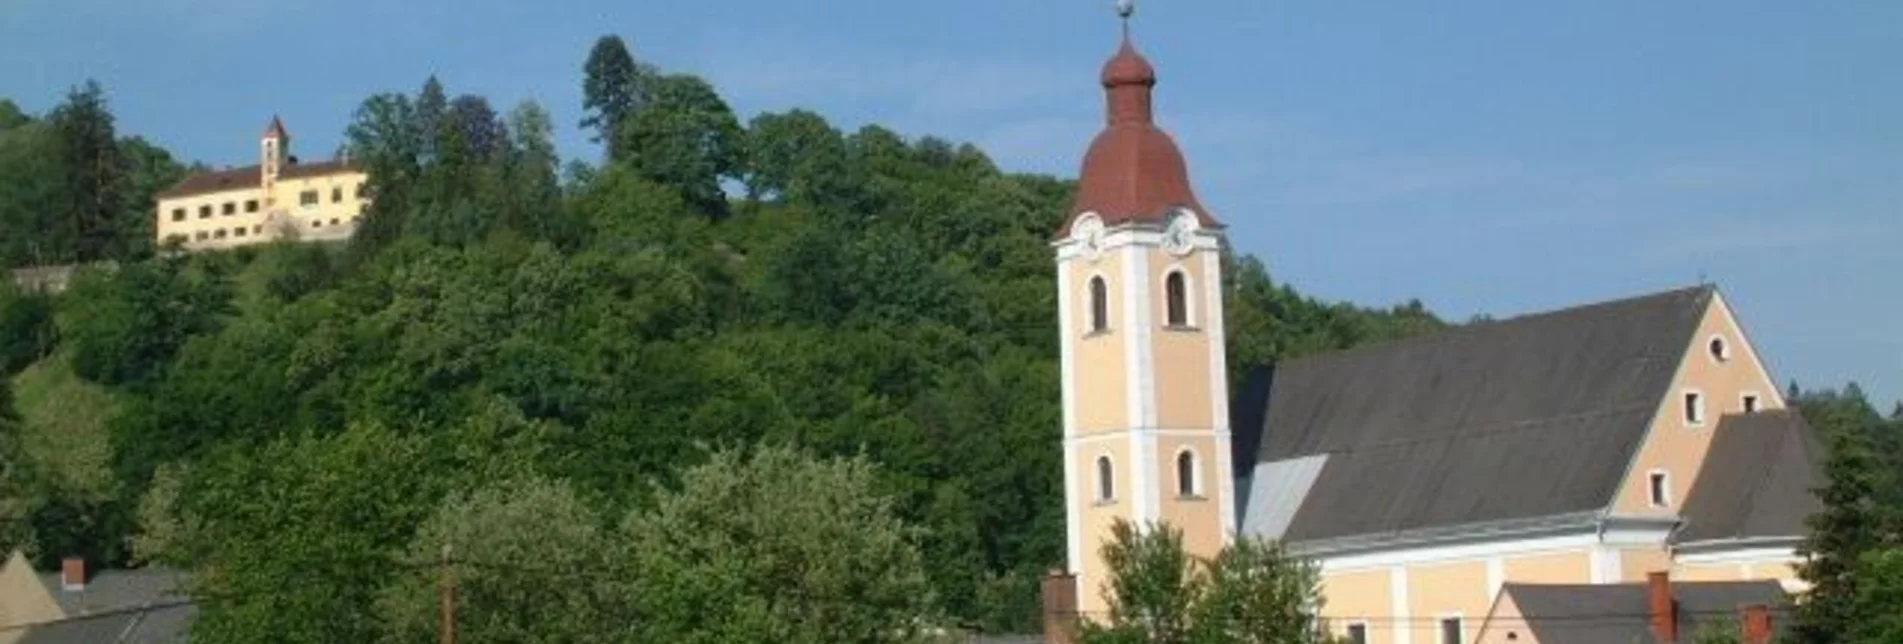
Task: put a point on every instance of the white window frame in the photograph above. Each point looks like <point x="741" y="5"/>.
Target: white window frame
<point x="1745" y="399"/>
<point x="1694" y="415"/>
<point x="1189" y="297"/>
<point x="1195" y="473"/>
<point x="1440" y="627"/>
<point x="1662" y="491"/>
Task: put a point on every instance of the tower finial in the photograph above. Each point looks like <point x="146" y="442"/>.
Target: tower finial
<point x="1125" y="9"/>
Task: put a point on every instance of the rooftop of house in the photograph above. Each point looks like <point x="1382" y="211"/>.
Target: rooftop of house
<point x="251" y="176"/>
<point x="1621" y="613"/>
<point x="144" y="606"/>
<point x="1534" y="416"/>
<point x="1757" y="480"/>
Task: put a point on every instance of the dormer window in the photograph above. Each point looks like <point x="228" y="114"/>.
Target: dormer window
<point x="1099" y="305"/>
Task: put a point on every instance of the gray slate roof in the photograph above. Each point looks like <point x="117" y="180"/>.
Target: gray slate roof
<point x="1617" y="613"/>
<point x="144" y="606"/>
<point x="1757" y="479"/>
<point x="1528" y="417"/>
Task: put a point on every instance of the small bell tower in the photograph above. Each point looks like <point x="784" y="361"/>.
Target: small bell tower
<point x="1145" y="391"/>
<point x="274" y="150"/>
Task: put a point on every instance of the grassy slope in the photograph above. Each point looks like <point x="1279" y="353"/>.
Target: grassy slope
<point x="65" y="420"/>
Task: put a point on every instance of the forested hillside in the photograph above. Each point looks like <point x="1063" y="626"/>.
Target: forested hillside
<point x="298" y="423"/>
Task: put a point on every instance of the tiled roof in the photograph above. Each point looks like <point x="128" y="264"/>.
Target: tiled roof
<point x="250" y="176"/>
<point x="1618" y="613"/>
<point x="145" y="606"/>
<point x="215" y="181"/>
<point x="1757" y="479"/>
<point x="1524" y="418"/>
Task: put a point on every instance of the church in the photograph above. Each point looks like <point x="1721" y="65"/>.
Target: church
<point x="1445" y="485"/>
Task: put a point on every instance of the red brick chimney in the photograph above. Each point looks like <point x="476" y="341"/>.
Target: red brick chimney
<point x="1060" y="608"/>
<point x="1664" y="608"/>
<point x="72" y="574"/>
<point x="1757" y="624"/>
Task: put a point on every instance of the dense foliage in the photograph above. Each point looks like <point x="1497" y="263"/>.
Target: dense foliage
<point x="301" y="423"/>
<point x="73" y="189"/>
<point x="1855" y="543"/>
<point x="1253" y="592"/>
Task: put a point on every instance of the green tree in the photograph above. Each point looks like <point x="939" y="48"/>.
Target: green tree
<point x="26" y="328"/>
<point x="1253" y="592"/>
<point x="125" y="324"/>
<point x="11" y="116"/>
<point x="15" y="498"/>
<point x="1850" y="525"/>
<point x="614" y="89"/>
<point x="1879" y="602"/>
<point x="296" y="538"/>
<point x="798" y="157"/>
<point x="528" y="557"/>
<point x="148" y="170"/>
<point x="773" y="546"/>
<point x="1718" y="631"/>
<point x="1155" y="587"/>
<point x="93" y="178"/>
<point x="432" y="115"/>
<point x="688" y="139"/>
<point x="1260" y="594"/>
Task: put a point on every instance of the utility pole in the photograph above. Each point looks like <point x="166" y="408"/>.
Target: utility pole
<point x="449" y="598"/>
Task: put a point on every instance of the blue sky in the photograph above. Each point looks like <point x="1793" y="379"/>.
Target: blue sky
<point x="1497" y="157"/>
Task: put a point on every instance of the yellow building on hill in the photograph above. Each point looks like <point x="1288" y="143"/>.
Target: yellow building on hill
<point x="279" y="198"/>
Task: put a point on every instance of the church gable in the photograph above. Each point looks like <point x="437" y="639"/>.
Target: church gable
<point x="1719" y="375"/>
<point x="1519" y="419"/>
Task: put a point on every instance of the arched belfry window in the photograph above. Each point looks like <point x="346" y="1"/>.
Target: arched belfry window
<point x="1099" y="305"/>
<point x="1186" y="484"/>
<point x="1106" y="480"/>
<point x="1176" y="293"/>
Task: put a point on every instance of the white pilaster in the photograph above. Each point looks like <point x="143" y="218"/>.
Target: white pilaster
<point x="1403" y="623"/>
<point x="1073" y="491"/>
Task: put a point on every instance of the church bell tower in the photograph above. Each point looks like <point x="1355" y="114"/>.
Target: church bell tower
<point x="1139" y="282"/>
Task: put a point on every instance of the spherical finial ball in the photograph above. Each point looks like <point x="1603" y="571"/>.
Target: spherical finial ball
<point x="1126" y="8"/>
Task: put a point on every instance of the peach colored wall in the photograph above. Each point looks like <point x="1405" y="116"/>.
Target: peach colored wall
<point x="1710" y="572"/>
<point x="1440" y="590"/>
<point x="1102" y="387"/>
<point x="1736" y="571"/>
<point x="1360" y="595"/>
<point x="1506" y="625"/>
<point x="1097" y="517"/>
<point x="1558" y="568"/>
<point x="1183" y="387"/>
<point x="1636" y="563"/>
<point x="1197" y="515"/>
<point x="1677" y="447"/>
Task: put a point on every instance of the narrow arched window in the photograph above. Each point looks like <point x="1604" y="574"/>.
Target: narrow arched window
<point x="1099" y="305"/>
<point x="1106" y="480"/>
<point x="1186" y="474"/>
<point x="1178" y="297"/>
